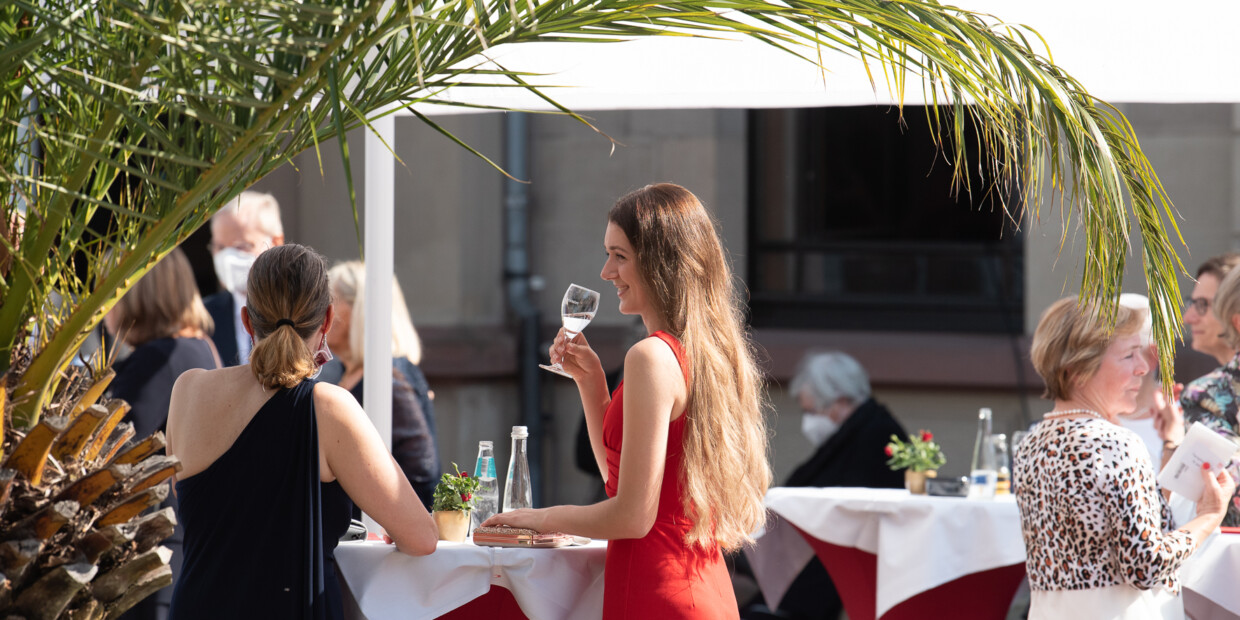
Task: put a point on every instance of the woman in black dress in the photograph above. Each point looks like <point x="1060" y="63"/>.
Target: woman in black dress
<point x="271" y="459"/>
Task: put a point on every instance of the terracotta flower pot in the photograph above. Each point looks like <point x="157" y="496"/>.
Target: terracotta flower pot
<point x="453" y="524"/>
<point x="915" y="481"/>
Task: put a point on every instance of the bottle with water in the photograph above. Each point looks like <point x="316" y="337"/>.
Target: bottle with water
<point x="487" y="502"/>
<point x="517" y="487"/>
<point x="983" y="473"/>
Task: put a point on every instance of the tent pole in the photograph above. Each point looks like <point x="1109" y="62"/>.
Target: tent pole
<point x="379" y="199"/>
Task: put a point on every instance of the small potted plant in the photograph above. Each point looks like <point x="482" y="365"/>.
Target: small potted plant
<point x="454" y="499"/>
<point x="919" y="457"/>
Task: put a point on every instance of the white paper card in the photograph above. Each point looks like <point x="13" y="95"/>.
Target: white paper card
<point x="1183" y="471"/>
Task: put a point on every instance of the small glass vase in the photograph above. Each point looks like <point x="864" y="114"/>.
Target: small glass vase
<point x="915" y="481"/>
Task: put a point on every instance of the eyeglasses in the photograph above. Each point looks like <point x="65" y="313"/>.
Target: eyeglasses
<point x="243" y="246"/>
<point x="1201" y="305"/>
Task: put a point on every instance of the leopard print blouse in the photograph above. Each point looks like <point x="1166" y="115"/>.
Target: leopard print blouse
<point x="1090" y="512"/>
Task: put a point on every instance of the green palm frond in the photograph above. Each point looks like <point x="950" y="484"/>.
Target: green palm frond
<point x="157" y="113"/>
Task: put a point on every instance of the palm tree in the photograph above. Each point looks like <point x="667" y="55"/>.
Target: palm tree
<point x="128" y="124"/>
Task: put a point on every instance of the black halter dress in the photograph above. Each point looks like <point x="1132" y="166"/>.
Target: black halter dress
<point x="260" y="527"/>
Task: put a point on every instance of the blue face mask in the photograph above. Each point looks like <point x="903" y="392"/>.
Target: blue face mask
<point x="817" y="428"/>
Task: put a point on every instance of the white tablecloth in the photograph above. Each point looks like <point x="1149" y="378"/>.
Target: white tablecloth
<point x="551" y="584"/>
<point x="1211" y="574"/>
<point x="921" y="542"/>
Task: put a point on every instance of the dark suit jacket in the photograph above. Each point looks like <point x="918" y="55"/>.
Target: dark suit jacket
<point x="220" y="307"/>
<point x="852" y="457"/>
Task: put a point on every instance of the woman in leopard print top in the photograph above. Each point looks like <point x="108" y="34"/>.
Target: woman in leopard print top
<point x="1099" y="539"/>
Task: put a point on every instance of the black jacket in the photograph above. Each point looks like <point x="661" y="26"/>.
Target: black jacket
<point x="220" y="307"/>
<point x="853" y="456"/>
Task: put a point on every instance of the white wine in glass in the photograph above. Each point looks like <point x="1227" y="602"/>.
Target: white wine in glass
<point x="576" y="311"/>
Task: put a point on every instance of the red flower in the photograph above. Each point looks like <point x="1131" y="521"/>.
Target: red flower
<point x="926" y="436"/>
<point x="464" y="474"/>
<point x="465" y="497"/>
<point x="887" y="450"/>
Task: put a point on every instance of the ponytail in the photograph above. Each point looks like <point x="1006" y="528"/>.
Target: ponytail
<point x="282" y="359"/>
<point x="287" y="301"/>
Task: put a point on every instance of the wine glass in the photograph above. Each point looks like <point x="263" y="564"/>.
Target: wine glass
<point x="1018" y="437"/>
<point x="577" y="310"/>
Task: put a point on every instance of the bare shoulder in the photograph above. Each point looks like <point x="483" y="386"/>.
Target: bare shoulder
<point x="190" y="379"/>
<point x="651" y="354"/>
<point x="335" y="404"/>
<point x="651" y="365"/>
<point x="201" y="385"/>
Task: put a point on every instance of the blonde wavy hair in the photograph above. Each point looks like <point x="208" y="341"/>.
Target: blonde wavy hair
<point x="348" y="285"/>
<point x="725" y="470"/>
<point x="1071" y="339"/>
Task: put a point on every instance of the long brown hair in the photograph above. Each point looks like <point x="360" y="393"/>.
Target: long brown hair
<point x="725" y="470"/>
<point x="286" y="282"/>
<point x="162" y="304"/>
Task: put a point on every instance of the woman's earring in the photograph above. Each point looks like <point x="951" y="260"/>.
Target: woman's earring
<point x="324" y="354"/>
<point x="321" y="357"/>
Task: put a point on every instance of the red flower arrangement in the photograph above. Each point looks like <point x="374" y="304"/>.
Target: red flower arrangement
<point x="455" y="492"/>
<point x="920" y="453"/>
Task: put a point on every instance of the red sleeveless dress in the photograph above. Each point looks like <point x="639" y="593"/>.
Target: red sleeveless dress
<point x="659" y="576"/>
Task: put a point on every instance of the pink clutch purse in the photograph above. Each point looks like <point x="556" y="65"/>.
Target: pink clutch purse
<point x="504" y="536"/>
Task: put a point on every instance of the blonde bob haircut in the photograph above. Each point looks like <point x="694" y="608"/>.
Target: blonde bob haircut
<point x="348" y="285"/>
<point x="1069" y="343"/>
<point x="162" y="304"/>
<point x="1227" y="305"/>
<point x="725" y="471"/>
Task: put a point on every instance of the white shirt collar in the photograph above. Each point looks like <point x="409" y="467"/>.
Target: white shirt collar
<point x="243" y="337"/>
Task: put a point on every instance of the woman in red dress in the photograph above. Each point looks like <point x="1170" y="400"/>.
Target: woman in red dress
<point x="682" y="441"/>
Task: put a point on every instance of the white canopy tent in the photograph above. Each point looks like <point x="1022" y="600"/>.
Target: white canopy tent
<point x="1122" y="51"/>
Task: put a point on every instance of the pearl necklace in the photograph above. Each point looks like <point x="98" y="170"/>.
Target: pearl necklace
<point x="1067" y="412"/>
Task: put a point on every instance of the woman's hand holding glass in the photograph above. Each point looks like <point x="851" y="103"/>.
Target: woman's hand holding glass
<point x="576" y="311"/>
<point x="575" y="355"/>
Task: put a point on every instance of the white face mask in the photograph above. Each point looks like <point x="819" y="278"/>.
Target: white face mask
<point x="232" y="266"/>
<point x="817" y="428"/>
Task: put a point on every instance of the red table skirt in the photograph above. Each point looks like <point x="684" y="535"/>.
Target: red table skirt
<point x="497" y="604"/>
<point x="984" y="595"/>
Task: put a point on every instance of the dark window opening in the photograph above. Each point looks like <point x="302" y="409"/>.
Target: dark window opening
<point x="854" y="225"/>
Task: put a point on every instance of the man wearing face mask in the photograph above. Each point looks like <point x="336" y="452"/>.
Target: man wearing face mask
<point x="243" y="229"/>
<point x="848" y="430"/>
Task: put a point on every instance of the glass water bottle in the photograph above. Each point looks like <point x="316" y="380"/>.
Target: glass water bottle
<point x="517" y="487"/>
<point x="487" y="502"/>
<point x="983" y="473"/>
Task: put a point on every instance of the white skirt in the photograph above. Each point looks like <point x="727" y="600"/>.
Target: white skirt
<point x="1116" y="602"/>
